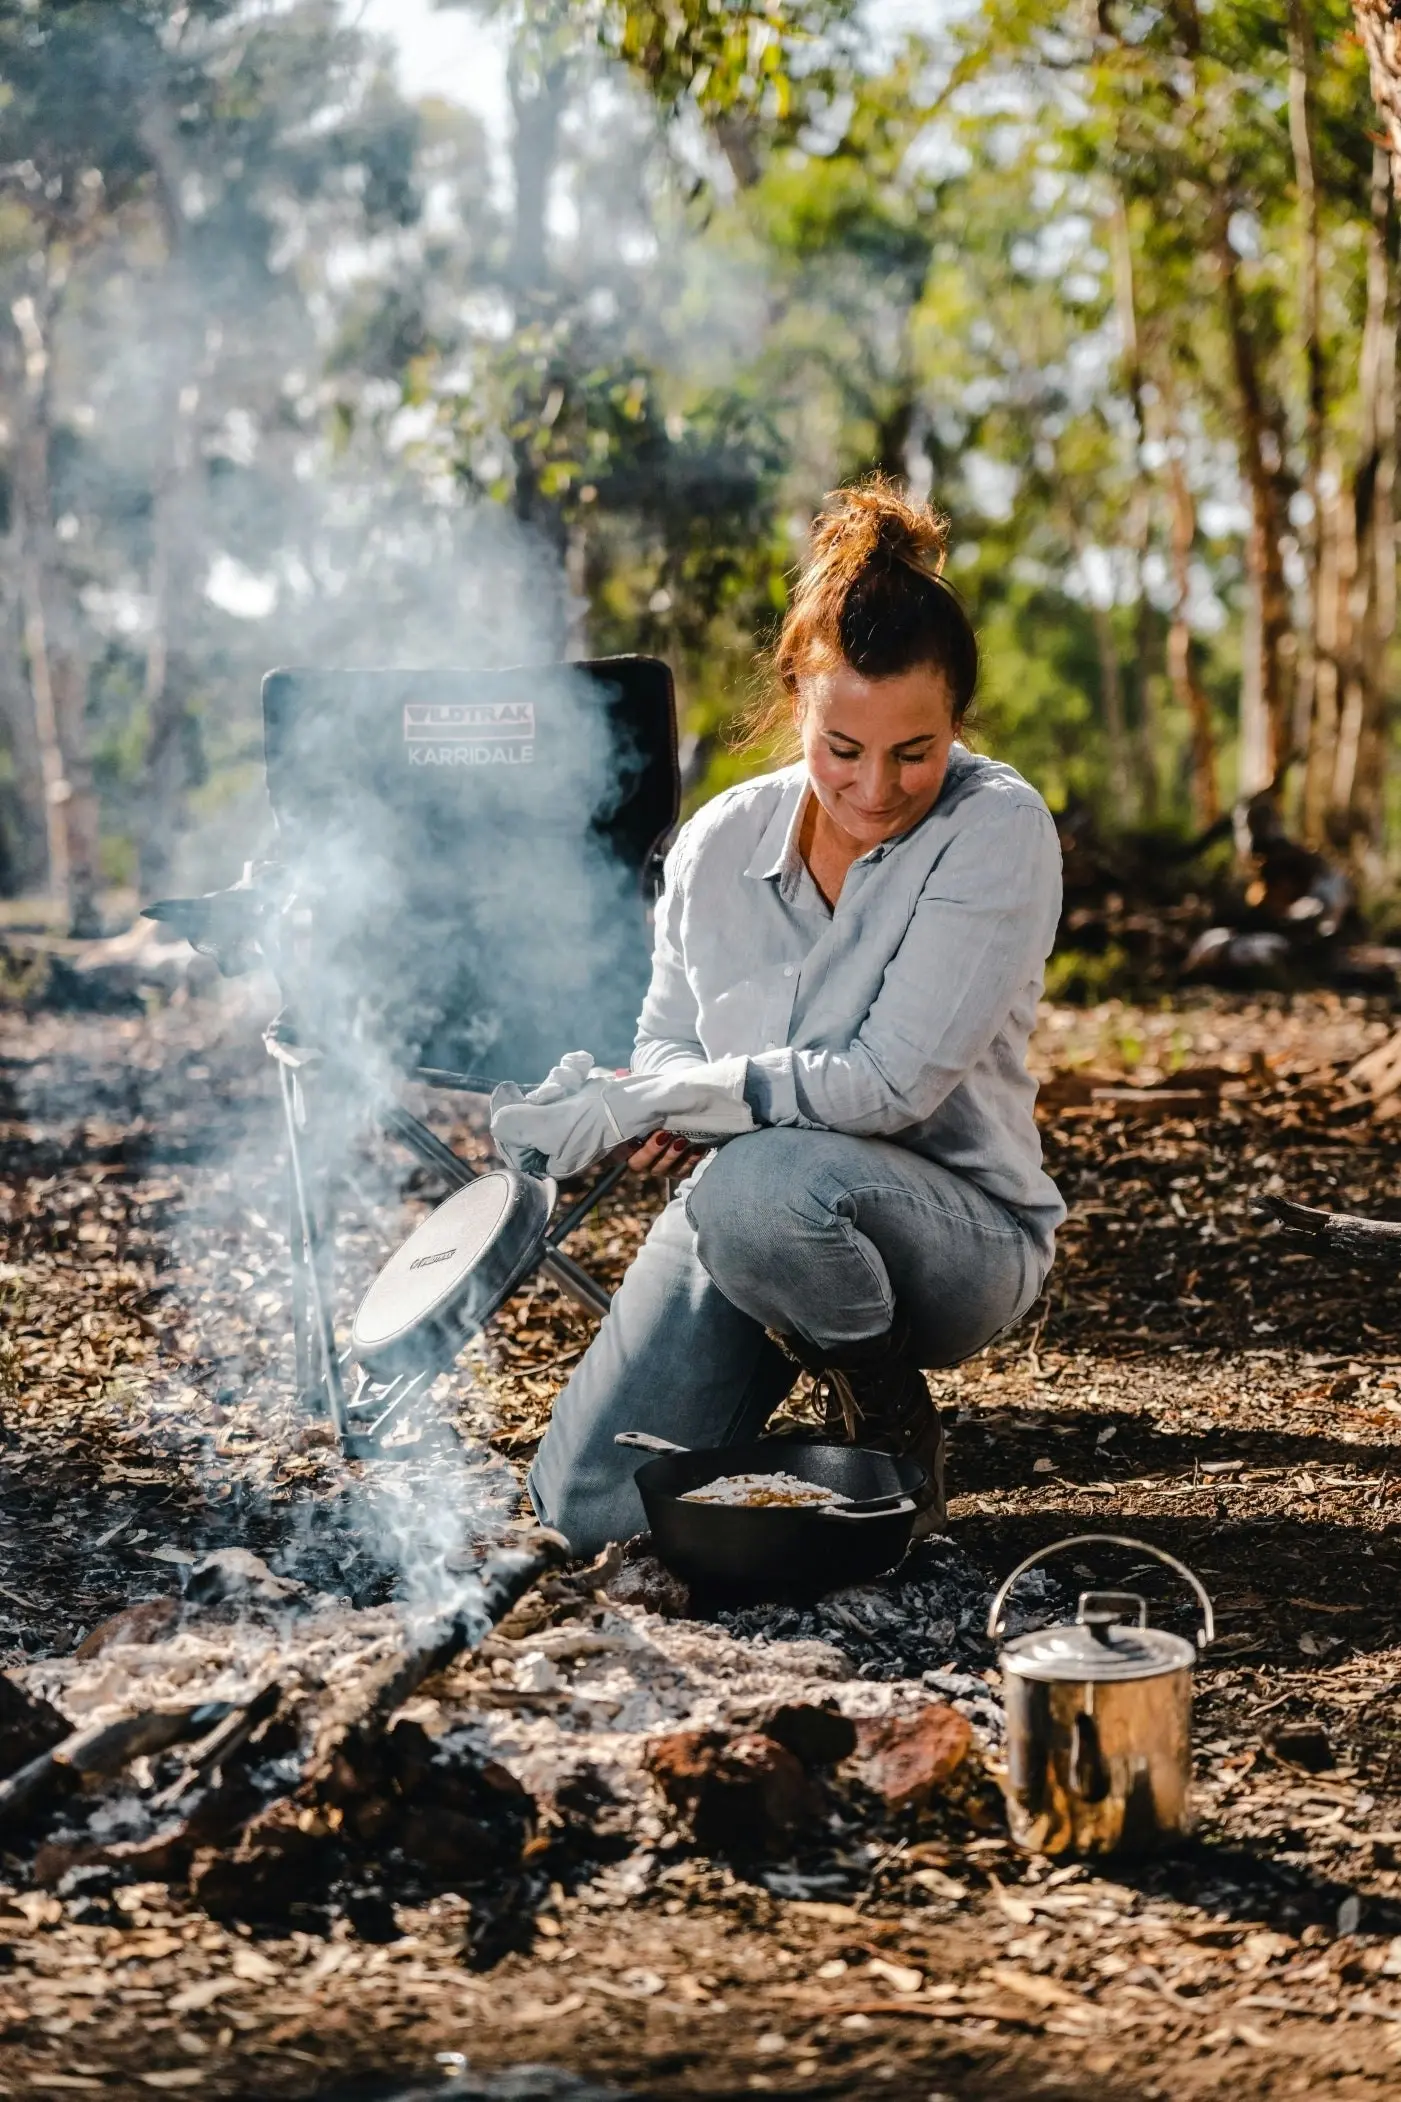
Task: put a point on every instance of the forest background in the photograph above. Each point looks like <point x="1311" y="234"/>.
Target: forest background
<point x="291" y="370"/>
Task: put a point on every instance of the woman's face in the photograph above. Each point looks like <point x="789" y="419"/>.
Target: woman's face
<point x="876" y="750"/>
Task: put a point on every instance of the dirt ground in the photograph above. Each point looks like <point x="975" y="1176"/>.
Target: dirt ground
<point x="1189" y="1377"/>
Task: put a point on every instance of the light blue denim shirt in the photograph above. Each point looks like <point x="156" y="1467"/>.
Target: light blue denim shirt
<point x="904" y="1013"/>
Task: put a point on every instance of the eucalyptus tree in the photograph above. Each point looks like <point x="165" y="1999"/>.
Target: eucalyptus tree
<point x="179" y="180"/>
<point x="1229" y="184"/>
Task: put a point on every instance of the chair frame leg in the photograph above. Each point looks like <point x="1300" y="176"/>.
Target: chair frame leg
<point x="311" y="1273"/>
<point x="361" y="1424"/>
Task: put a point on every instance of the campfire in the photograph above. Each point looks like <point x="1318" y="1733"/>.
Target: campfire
<point x="283" y="1756"/>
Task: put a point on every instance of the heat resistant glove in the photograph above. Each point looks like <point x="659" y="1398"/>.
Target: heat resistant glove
<point x="583" y="1110"/>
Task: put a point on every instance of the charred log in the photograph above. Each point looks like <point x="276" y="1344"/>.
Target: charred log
<point x="1338" y="1233"/>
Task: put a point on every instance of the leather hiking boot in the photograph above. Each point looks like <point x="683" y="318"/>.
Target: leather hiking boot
<point x="874" y="1394"/>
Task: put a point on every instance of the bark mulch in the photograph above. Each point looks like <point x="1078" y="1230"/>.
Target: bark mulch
<point x="1190" y="1376"/>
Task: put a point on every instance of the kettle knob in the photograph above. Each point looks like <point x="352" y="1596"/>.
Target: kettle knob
<point x="1099" y="1611"/>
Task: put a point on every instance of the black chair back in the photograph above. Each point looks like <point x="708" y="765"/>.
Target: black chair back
<point x="473" y="850"/>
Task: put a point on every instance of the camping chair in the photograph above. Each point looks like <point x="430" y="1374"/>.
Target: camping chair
<point x="460" y="891"/>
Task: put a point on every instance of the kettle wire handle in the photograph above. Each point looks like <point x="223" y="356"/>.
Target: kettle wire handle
<point x="1206" y="1632"/>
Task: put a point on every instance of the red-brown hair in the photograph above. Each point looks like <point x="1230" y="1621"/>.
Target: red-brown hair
<point x="871" y="595"/>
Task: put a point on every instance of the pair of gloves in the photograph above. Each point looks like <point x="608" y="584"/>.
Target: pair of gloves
<point x="582" y="1110"/>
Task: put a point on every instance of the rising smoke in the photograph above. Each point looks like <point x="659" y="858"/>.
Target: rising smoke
<point x="464" y="909"/>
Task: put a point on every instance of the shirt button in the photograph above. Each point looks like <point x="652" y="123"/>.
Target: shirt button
<point x="770" y="1045"/>
<point x="788" y="970"/>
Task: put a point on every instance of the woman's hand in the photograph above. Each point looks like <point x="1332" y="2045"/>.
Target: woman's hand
<point x="664" y="1154"/>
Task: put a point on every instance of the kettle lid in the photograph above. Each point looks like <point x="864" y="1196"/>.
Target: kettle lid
<point x="1097" y="1647"/>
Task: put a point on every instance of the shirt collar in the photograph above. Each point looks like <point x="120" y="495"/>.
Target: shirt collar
<point x="777" y="852"/>
<point x="777" y="855"/>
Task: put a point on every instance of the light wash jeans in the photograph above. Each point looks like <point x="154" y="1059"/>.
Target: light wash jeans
<point x="807" y="1232"/>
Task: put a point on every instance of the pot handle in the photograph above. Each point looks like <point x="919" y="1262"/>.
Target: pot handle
<point x="869" y="1507"/>
<point x="646" y="1442"/>
<point x="1205" y="1633"/>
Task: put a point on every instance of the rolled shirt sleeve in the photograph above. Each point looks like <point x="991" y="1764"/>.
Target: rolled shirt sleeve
<point x="982" y="927"/>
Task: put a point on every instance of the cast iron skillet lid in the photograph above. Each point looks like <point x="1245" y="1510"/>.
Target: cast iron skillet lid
<point x="455" y="1268"/>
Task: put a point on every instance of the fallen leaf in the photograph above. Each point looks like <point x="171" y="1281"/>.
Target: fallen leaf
<point x="252" y="1965"/>
<point x="531" y="2011"/>
<point x="1017" y="1910"/>
<point x="939" y="1885"/>
<point x="899" y="1975"/>
<point x="202" y="1994"/>
<point x="1029" y="1985"/>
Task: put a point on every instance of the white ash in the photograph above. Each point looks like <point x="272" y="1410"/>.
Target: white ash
<point x="592" y="1699"/>
<point x="210" y="1659"/>
<point x="755" y="1491"/>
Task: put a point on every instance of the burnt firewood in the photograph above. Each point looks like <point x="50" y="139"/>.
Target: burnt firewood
<point x="284" y="1861"/>
<point x="1337" y="1233"/>
<point x="222" y="1743"/>
<point x="161" y="1857"/>
<point x="348" y="1741"/>
<point x="100" y="1751"/>
<point x="29" y="1727"/>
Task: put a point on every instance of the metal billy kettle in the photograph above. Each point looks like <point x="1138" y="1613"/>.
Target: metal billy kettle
<point x="1099" y="1753"/>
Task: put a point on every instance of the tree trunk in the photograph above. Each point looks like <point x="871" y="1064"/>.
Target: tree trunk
<point x="1140" y="520"/>
<point x="1188" y="691"/>
<point x="24" y="861"/>
<point x="1379" y="27"/>
<point x="1268" y="642"/>
<point x="1111" y="698"/>
<point x="57" y="672"/>
<point x="165" y="779"/>
<point x="536" y="85"/>
<point x="165" y="772"/>
<point x="1335" y="566"/>
<point x="1302" y="58"/>
<point x="1266" y="688"/>
<point x="1359" y="772"/>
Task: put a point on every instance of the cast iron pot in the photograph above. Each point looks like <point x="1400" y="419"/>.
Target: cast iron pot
<point x="769" y="1550"/>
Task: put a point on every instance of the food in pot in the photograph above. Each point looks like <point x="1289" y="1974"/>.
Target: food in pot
<point x="755" y="1491"/>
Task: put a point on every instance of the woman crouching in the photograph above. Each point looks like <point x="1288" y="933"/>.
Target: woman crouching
<point x="848" y="959"/>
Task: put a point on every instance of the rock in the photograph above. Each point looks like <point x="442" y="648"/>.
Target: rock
<point x="535" y="1673"/>
<point x="28" y="1727"/>
<point x="146" y="1622"/>
<point x="910" y="1763"/>
<point x="1303" y="1744"/>
<point x="452" y="1814"/>
<point x="817" y="1736"/>
<point x="644" y="1581"/>
<point x="744" y="1794"/>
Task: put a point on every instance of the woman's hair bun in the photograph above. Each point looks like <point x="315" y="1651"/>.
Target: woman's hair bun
<point x="875" y="520"/>
<point x="873" y="594"/>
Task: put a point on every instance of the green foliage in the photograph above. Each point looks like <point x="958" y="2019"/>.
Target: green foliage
<point x="749" y="250"/>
